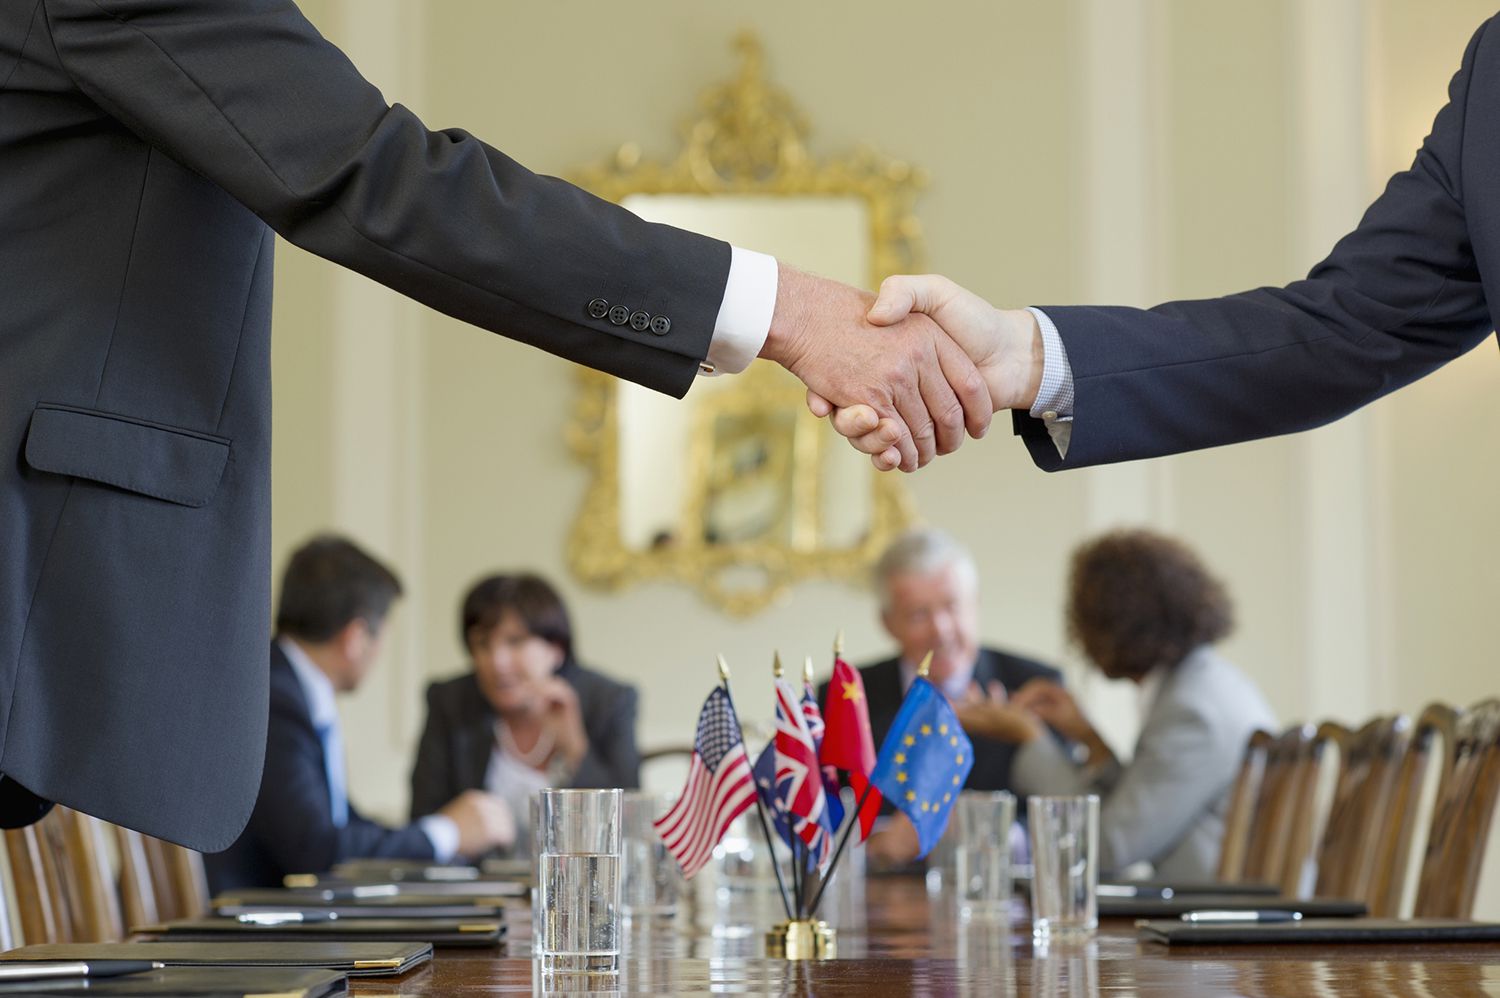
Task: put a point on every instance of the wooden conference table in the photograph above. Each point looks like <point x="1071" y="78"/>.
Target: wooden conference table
<point x="909" y="944"/>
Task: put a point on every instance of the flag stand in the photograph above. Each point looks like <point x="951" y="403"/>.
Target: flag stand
<point x="760" y="809"/>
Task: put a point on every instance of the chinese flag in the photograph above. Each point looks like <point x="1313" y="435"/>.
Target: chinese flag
<point x="847" y="742"/>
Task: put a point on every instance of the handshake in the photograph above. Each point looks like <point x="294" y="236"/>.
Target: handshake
<point x="906" y="374"/>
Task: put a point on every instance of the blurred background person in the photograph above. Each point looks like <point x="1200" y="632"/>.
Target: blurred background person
<point x="928" y="585"/>
<point x="329" y="629"/>
<point x="1143" y="608"/>
<point x="527" y="715"/>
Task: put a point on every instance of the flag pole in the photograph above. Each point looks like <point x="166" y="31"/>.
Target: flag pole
<point x="858" y="808"/>
<point x="797" y="860"/>
<point x="807" y="679"/>
<point x="760" y="807"/>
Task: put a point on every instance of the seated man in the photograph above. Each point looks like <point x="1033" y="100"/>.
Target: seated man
<point x="526" y="715"/>
<point x="334" y="600"/>
<point x="929" y="601"/>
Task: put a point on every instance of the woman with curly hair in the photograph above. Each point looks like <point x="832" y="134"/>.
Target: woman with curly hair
<point x="1142" y="607"/>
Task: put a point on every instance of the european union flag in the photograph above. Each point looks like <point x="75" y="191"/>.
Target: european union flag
<point x="924" y="761"/>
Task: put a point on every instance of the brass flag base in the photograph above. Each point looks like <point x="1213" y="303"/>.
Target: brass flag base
<point x="802" y="939"/>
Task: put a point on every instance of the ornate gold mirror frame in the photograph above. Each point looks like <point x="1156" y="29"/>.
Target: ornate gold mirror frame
<point x="748" y="140"/>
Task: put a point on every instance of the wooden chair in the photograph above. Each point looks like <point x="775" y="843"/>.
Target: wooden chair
<point x="138" y="888"/>
<point x="1461" y="816"/>
<point x="1242" y="799"/>
<point x="1432" y="736"/>
<point x="88" y="877"/>
<point x="1369" y="763"/>
<point x="37" y="887"/>
<point x="1281" y="822"/>
<point x="181" y="882"/>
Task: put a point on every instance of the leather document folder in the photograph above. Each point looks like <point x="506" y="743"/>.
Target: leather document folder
<point x="233" y="906"/>
<point x="196" y="982"/>
<point x="1321" y="931"/>
<point x="365" y="959"/>
<point x="1180" y="904"/>
<point x="438" y="932"/>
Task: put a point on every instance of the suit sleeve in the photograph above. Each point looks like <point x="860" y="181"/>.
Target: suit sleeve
<point x="293" y="820"/>
<point x="249" y="95"/>
<point x="432" y="772"/>
<point x="1397" y="298"/>
<point x="613" y="760"/>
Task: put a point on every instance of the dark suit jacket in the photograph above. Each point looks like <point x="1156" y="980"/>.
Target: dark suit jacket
<point x="148" y="150"/>
<point x="992" y="759"/>
<point x="1404" y="293"/>
<point x="460" y="732"/>
<point x="291" y="829"/>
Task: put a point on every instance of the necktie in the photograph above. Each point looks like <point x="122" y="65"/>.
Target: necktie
<point x="333" y="764"/>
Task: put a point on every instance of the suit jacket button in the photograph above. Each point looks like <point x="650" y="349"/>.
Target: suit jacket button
<point x="598" y="308"/>
<point x="640" y="321"/>
<point x="619" y="315"/>
<point x="661" y="325"/>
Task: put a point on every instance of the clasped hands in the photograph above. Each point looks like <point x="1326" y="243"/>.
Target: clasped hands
<point x="906" y="374"/>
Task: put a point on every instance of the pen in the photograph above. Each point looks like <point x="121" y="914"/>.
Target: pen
<point x="1134" y="891"/>
<point x="38" y="971"/>
<point x="286" y="917"/>
<point x="1243" y="916"/>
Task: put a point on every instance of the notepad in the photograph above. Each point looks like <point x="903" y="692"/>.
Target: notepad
<point x="437" y="931"/>
<point x="371" y="959"/>
<point x="1158" y="907"/>
<point x="1320" y="930"/>
<point x="195" y="982"/>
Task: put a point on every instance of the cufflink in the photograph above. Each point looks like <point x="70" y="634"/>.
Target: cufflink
<point x="704" y="367"/>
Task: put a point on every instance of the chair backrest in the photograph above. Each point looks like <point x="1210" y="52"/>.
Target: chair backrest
<point x="34" y="878"/>
<point x="1433" y="735"/>
<point x="1282" y="808"/>
<point x="1461" y="816"/>
<point x="88" y="877"/>
<point x="1370" y="761"/>
<point x="138" y="889"/>
<point x="1242" y="797"/>
<point x="181" y="882"/>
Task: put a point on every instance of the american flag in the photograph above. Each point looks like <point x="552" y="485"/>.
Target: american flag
<point x="799" y="781"/>
<point x="719" y="787"/>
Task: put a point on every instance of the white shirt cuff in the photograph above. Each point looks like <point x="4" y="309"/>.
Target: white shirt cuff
<point x="1054" y="398"/>
<point x="745" y="314"/>
<point x="443" y="834"/>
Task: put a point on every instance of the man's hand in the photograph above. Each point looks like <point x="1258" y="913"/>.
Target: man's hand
<point x="484" y="822"/>
<point x="1005" y="346"/>
<point x="893" y="844"/>
<point x="918" y="384"/>
<point x="1056" y="706"/>
<point x="1003" y="722"/>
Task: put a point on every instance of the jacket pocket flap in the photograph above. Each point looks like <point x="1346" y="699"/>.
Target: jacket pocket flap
<point x="163" y="462"/>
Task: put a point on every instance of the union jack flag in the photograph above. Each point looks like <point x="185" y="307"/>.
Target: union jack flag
<point x="719" y="787"/>
<point x="799" y="780"/>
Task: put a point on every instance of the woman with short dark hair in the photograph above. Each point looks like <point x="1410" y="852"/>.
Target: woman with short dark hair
<point x="527" y="715"/>
<point x="1144" y="608"/>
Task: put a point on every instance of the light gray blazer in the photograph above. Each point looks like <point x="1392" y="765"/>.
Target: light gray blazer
<point x="1167" y="806"/>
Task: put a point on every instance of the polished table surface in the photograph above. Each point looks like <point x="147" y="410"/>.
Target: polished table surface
<point x="901" y="941"/>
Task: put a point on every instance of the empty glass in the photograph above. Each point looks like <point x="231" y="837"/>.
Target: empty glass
<point x="1064" y="857"/>
<point x="651" y="876"/>
<point x="982" y="852"/>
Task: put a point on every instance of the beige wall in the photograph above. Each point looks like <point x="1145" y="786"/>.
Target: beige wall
<point x="1123" y="150"/>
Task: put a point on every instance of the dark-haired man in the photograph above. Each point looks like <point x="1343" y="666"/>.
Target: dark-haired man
<point x="329" y="630"/>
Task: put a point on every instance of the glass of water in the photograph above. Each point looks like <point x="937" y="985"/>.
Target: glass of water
<point x="651" y="874"/>
<point x="982" y="860"/>
<point x="1065" y="865"/>
<point x="577" y="906"/>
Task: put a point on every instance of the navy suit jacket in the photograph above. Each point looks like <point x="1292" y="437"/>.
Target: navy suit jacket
<point x="1405" y="292"/>
<point x="454" y="752"/>
<point x="291" y="829"/>
<point x="149" y="149"/>
<point x="992" y="759"/>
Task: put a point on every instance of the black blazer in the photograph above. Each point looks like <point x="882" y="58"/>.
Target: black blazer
<point x="291" y="829"/>
<point x="148" y="151"/>
<point x="460" y="731"/>
<point x="1405" y="292"/>
<point x="992" y="758"/>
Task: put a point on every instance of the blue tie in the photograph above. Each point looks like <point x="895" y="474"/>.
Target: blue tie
<point x="333" y="764"/>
